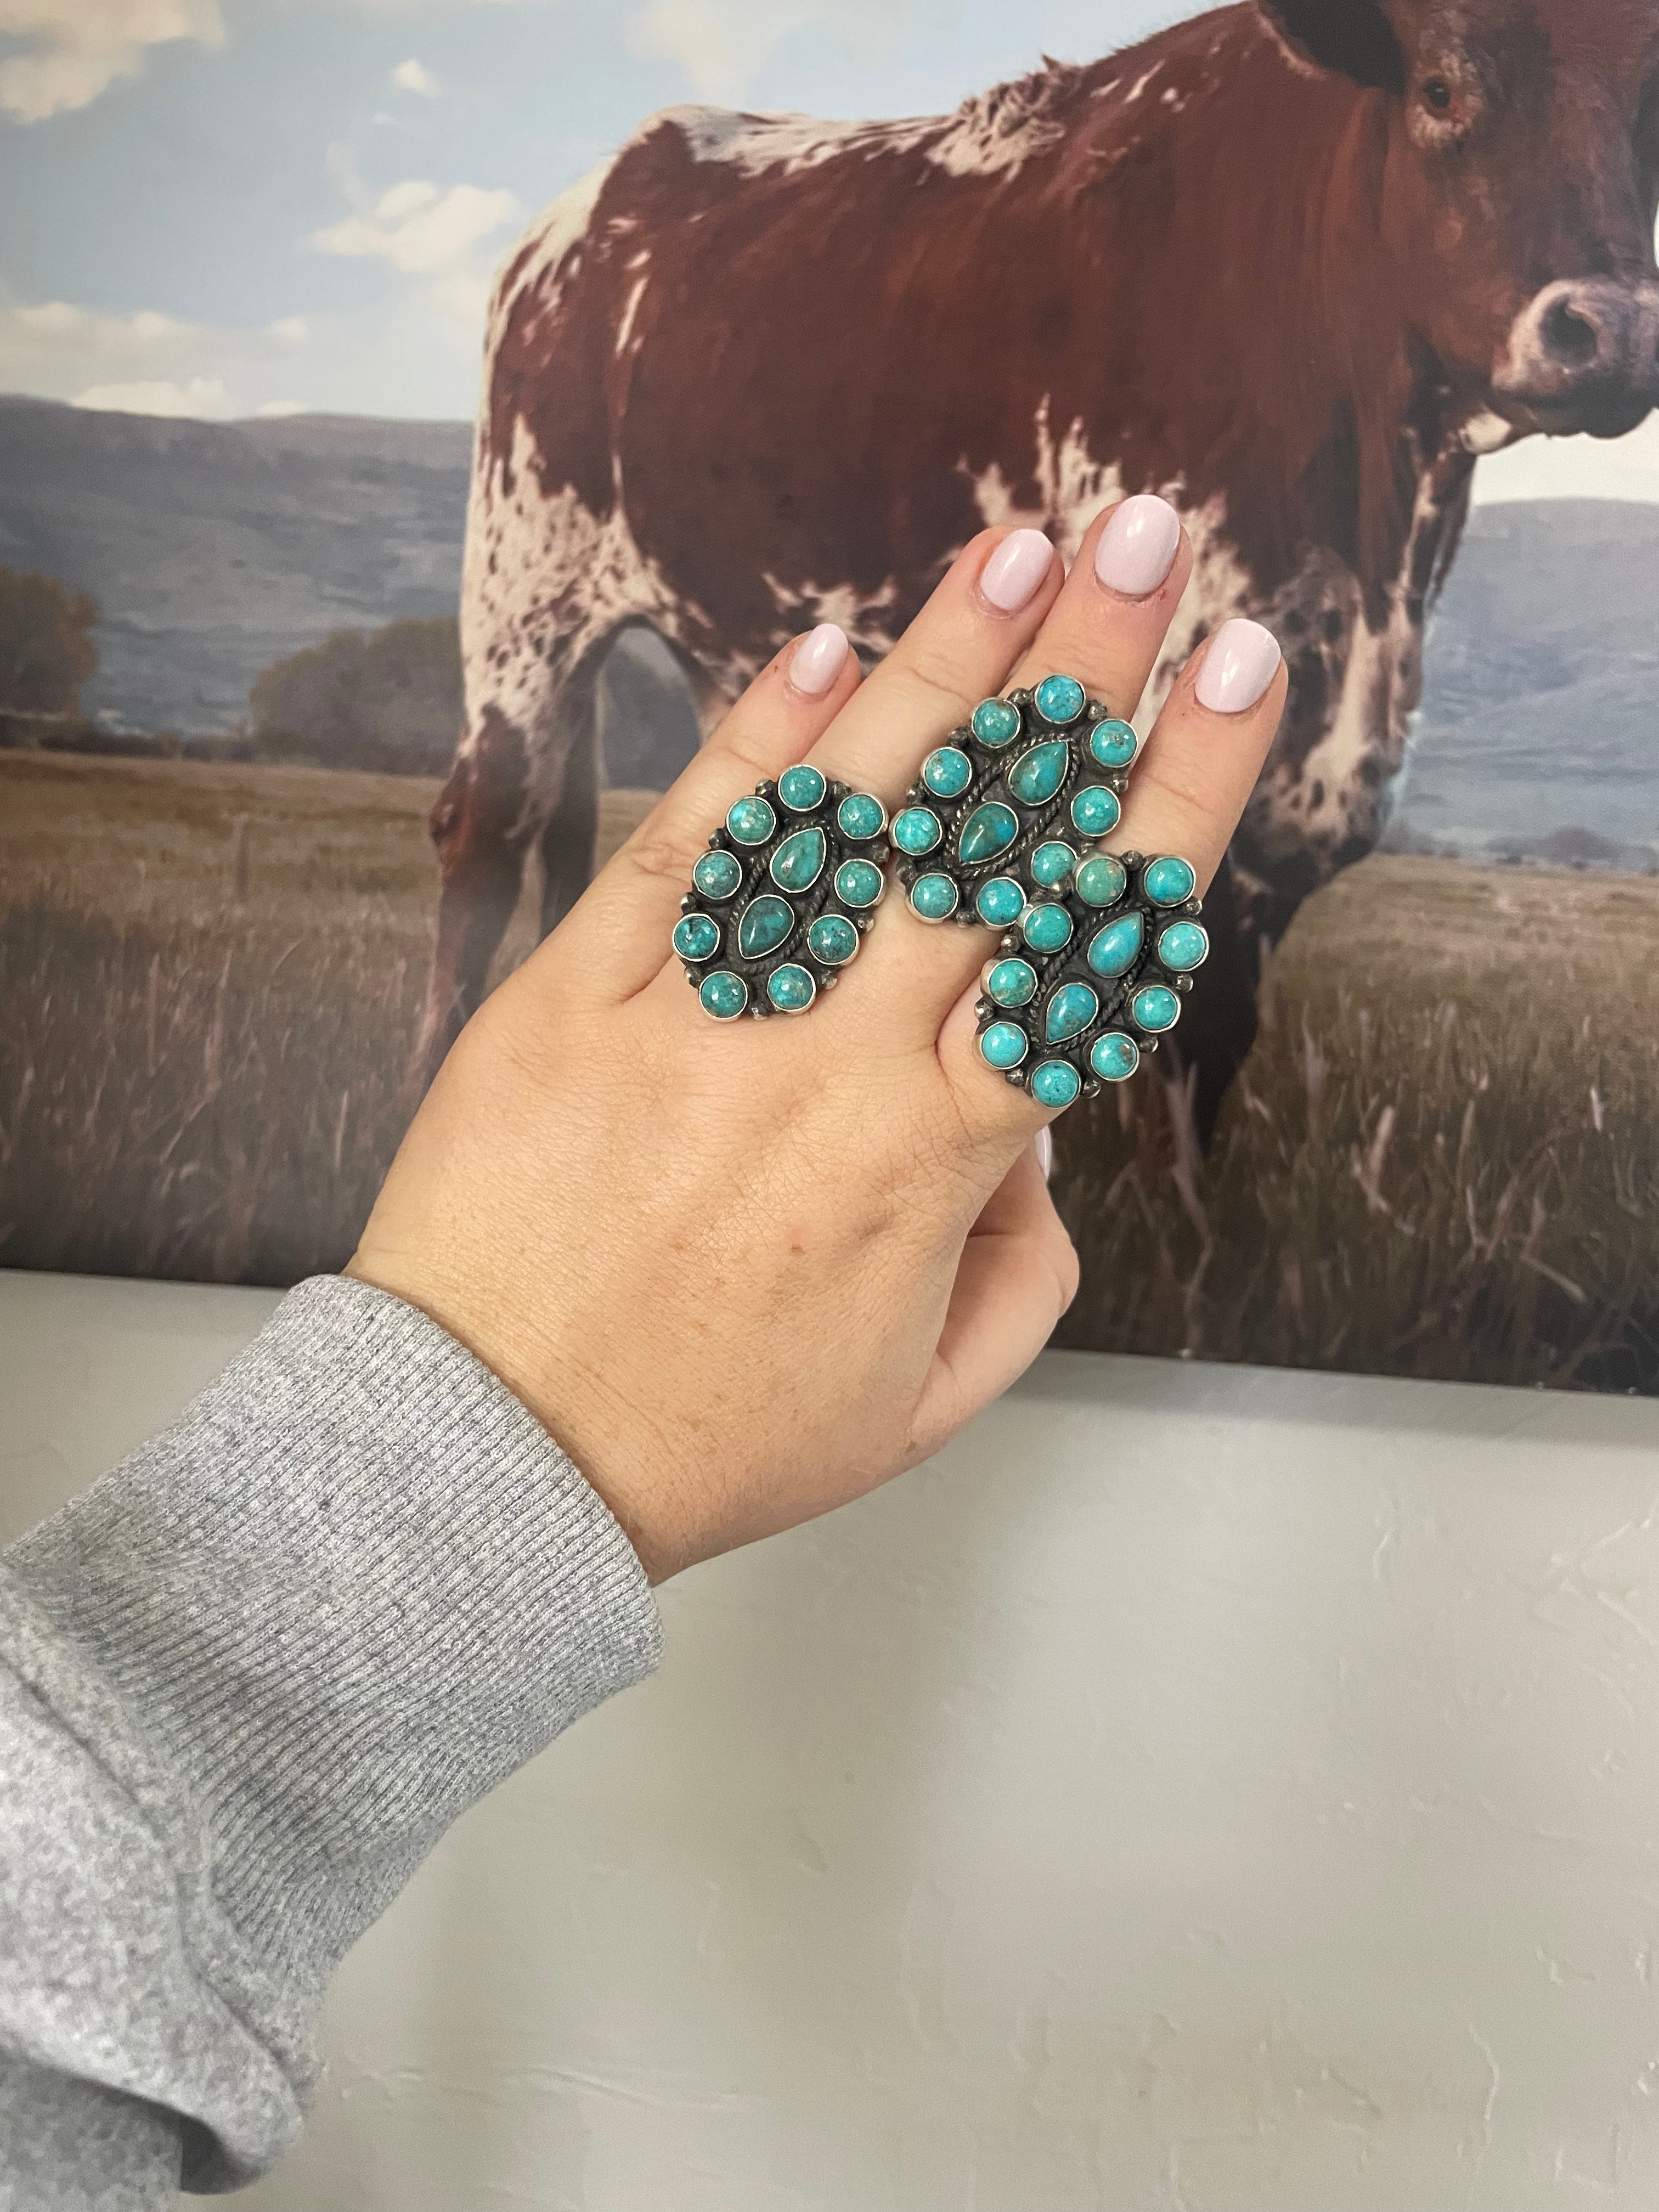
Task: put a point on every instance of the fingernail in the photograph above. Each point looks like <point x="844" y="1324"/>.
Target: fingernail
<point x="1136" y="550"/>
<point x="1045" y="1153"/>
<point x="815" y="661"/>
<point x="1014" y="573"/>
<point x="1240" y="661"/>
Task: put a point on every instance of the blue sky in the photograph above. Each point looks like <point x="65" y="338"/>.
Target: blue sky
<point x="225" y="207"/>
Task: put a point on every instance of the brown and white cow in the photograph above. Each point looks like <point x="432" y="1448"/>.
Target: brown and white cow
<point x="1295" y="264"/>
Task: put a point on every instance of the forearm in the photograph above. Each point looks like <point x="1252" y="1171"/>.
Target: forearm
<point x="249" y="1678"/>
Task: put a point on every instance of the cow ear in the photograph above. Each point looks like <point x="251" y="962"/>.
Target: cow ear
<point x="1352" y="36"/>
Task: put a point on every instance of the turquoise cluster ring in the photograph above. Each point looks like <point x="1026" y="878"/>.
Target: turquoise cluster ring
<point x="1011" y="803"/>
<point x="1091" y="975"/>
<point x="780" y="902"/>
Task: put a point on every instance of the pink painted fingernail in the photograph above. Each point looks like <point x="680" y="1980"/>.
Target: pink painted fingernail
<point x="1240" y="661"/>
<point x="1045" y="1153"/>
<point x="816" y="660"/>
<point x="1136" y="550"/>
<point x="1013" y="576"/>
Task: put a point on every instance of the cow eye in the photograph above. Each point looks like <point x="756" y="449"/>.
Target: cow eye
<point x="1438" y="95"/>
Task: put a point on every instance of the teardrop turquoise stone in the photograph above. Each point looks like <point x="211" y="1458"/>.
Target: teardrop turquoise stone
<point x="799" y="861"/>
<point x="1073" y="1007"/>
<point x="766" y="921"/>
<point x="1035" y="777"/>
<point x="987" y="831"/>
<point x="1116" y="948"/>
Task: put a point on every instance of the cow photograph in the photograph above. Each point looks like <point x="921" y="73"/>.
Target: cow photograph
<point x="364" y="580"/>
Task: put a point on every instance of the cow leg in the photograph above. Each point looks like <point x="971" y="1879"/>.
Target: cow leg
<point x="571" y="829"/>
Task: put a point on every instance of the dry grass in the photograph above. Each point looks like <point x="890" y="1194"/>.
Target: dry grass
<point x="1443" y="1160"/>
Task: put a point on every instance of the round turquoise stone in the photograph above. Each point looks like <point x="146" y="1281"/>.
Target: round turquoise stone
<point x="987" y="831"/>
<point x="1011" y="983"/>
<point x="1155" y="1008"/>
<point x="1048" y="926"/>
<point x="1183" y="946"/>
<point x="1059" y="699"/>
<point x="861" y="817"/>
<point x="832" y="939"/>
<point x="948" y="772"/>
<point x="1113" y="950"/>
<point x="1168" y="882"/>
<point x="1095" y="810"/>
<point x="1112" y="744"/>
<point x="1073" y="1007"/>
<point x="1000" y="902"/>
<point x="1055" y="1085"/>
<point x="791" y="989"/>
<point x="1037" y="776"/>
<point x="717" y="875"/>
<point x="1005" y="1044"/>
<point x="724" y="995"/>
<point x="764" y="925"/>
<point x="752" y="821"/>
<point x="801" y="789"/>
<point x="994" y="722"/>
<point x="1115" y="1057"/>
<point x="799" y="861"/>
<point x="917" y="831"/>
<point x="934" y="897"/>
<point x="1052" y="864"/>
<point x="697" y="938"/>
<point x="1102" y="881"/>
<point x="859" y="884"/>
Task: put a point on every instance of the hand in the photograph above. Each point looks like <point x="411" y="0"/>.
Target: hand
<point x="745" y="1273"/>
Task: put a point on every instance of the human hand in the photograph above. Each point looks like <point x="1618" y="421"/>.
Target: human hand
<point x="745" y="1273"/>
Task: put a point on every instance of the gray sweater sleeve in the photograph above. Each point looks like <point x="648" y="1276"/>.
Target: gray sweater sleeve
<point x="247" y="1681"/>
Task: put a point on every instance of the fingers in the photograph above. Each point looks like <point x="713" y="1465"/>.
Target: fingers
<point x="1017" y="1275"/>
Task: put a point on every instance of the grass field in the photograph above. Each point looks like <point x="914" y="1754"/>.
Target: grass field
<point x="1443" y="1159"/>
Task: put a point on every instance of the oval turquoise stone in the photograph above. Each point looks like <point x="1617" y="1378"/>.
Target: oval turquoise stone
<point x="1035" y="777"/>
<point x="1168" y="882"/>
<point x="1155" y="1008"/>
<point x="1102" y="881"/>
<point x="764" y="925"/>
<point x="934" y="897"/>
<point x="1115" y="1057"/>
<point x="717" y="875"/>
<point x="860" y="816"/>
<point x="994" y="722"/>
<point x="833" y="939"/>
<point x="1183" y="946"/>
<point x="752" y="821"/>
<point x="697" y="937"/>
<point x="858" y="882"/>
<point x="799" y="861"/>
<point x="1011" y="983"/>
<point x="801" y="789"/>
<point x="1055" y="1085"/>
<point x="917" y="830"/>
<point x="1113" y="950"/>
<point x="791" y="989"/>
<point x="1095" y="810"/>
<point x="1048" y="926"/>
<point x="987" y="831"/>
<point x="1052" y="864"/>
<point x="948" y="772"/>
<point x="1059" y="699"/>
<point x="1001" y="902"/>
<point x="1112" y="744"/>
<point x="1005" y="1044"/>
<point x="1073" y="1007"/>
<point x="724" y="995"/>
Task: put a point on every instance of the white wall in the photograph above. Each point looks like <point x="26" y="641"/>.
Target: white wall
<point x="1197" y="1788"/>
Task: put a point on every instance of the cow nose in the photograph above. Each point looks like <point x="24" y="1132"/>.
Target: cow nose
<point x="1586" y="353"/>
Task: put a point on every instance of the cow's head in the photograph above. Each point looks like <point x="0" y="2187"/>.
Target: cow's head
<point x="1520" y="184"/>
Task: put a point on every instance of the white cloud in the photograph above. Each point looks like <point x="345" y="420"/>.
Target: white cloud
<point x="203" y="398"/>
<point x="415" y="77"/>
<point x="721" y="45"/>
<point x="435" y="235"/>
<point x="1574" y="468"/>
<point x="146" y="363"/>
<point x="79" y="47"/>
